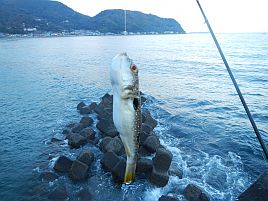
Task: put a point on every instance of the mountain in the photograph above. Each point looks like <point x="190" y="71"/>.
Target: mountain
<point x="22" y="16"/>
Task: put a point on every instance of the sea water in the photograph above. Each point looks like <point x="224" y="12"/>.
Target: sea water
<point x="200" y="117"/>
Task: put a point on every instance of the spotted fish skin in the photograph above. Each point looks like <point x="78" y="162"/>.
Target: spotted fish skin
<point x="127" y="108"/>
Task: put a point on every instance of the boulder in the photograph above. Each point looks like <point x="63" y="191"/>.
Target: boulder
<point x="76" y="140"/>
<point x="151" y="143"/>
<point x="48" y="176"/>
<point x="107" y="128"/>
<point x="79" y="170"/>
<point x="86" y="121"/>
<point x="71" y="125"/>
<point x="118" y="170"/>
<point x="80" y="105"/>
<point x="104" y="142"/>
<point x="88" y="133"/>
<point x="86" y="157"/>
<point x="194" y="193"/>
<point x="143" y="137"/>
<point x="106" y="114"/>
<point x="77" y="128"/>
<point x="107" y="102"/>
<point x="257" y="191"/>
<point x="162" y="160"/>
<point x="109" y="160"/>
<point x="93" y="105"/>
<point x="114" y="145"/>
<point x="144" y="165"/>
<point x="59" y="193"/>
<point x="143" y="152"/>
<point x="84" y="195"/>
<point x="159" y="179"/>
<point x="63" y="164"/>
<point x="148" y="119"/>
<point x="168" y="198"/>
<point x="85" y="110"/>
<point x="146" y="128"/>
<point x="66" y="131"/>
<point x="174" y="170"/>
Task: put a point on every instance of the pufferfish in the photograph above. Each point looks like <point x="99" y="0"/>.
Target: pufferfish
<point x="127" y="108"/>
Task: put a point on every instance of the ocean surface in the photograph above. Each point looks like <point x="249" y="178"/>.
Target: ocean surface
<point x="201" y="119"/>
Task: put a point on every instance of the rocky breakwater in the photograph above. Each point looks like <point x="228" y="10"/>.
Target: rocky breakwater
<point x="96" y="129"/>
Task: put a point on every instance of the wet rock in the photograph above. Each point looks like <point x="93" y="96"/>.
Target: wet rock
<point x="59" y="193"/>
<point x="151" y="143"/>
<point x="144" y="165"/>
<point x="175" y="170"/>
<point x="86" y="157"/>
<point x="257" y="191"/>
<point x="85" y="110"/>
<point x="88" y="133"/>
<point x="107" y="102"/>
<point x="84" y="195"/>
<point x="143" y="100"/>
<point x="106" y="114"/>
<point x="80" y="105"/>
<point x="48" y="176"/>
<point x="168" y="198"/>
<point x="143" y="137"/>
<point x="86" y="121"/>
<point x="143" y="152"/>
<point x="71" y="125"/>
<point x="162" y="160"/>
<point x="77" y="128"/>
<point x="63" y="164"/>
<point x="159" y="179"/>
<point x="146" y="128"/>
<point x="193" y="193"/>
<point x="107" y="128"/>
<point x="104" y="143"/>
<point x="118" y="170"/>
<point x="78" y="170"/>
<point x="109" y="160"/>
<point x="149" y="120"/>
<point x="55" y="140"/>
<point x="76" y="140"/>
<point x="114" y="145"/>
<point x="66" y="131"/>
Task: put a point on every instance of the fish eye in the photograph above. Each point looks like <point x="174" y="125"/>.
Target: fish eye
<point x="134" y="68"/>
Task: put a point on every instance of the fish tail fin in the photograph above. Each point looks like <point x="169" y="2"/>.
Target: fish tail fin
<point x="130" y="173"/>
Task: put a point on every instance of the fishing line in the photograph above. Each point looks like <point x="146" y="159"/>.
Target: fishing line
<point x="235" y="84"/>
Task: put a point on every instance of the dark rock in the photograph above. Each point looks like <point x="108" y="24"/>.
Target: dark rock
<point x="174" y="170"/>
<point x="86" y="121"/>
<point x="143" y="152"/>
<point x="76" y="140"/>
<point x="104" y="143"/>
<point x="159" y="179"/>
<point x="118" y="170"/>
<point x="59" y="193"/>
<point x="77" y="128"/>
<point x="66" y="131"/>
<point x="168" y="198"/>
<point x="80" y="105"/>
<point x="257" y="191"/>
<point x="149" y="120"/>
<point x="107" y="128"/>
<point x="109" y="160"/>
<point x="107" y="102"/>
<point x="143" y="136"/>
<point x="55" y="140"/>
<point x="48" y="176"/>
<point x="193" y="193"/>
<point x="86" y="157"/>
<point x="151" y="143"/>
<point x="88" y="133"/>
<point x="146" y="128"/>
<point x="84" y="195"/>
<point x="143" y="100"/>
<point x="93" y="105"/>
<point x="79" y="170"/>
<point x="85" y="110"/>
<point x="144" y="165"/>
<point x="63" y="164"/>
<point x="106" y="114"/>
<point x="115" y="145"/>
<point x="162" y="160"/>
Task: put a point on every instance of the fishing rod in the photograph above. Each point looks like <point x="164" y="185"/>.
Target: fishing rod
<point x="235" y="84"/>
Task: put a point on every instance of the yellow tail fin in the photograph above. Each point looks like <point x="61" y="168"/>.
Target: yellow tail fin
<point x="130" y="173"/>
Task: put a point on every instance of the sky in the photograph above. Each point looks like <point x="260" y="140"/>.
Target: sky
<point x="225" y="16"/>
